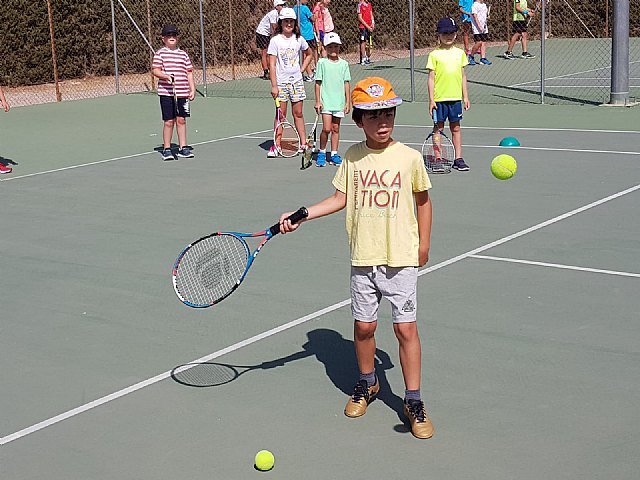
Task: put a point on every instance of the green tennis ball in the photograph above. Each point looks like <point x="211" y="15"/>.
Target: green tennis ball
<point x="504" y="167"/>
<point x="264" y="460"/>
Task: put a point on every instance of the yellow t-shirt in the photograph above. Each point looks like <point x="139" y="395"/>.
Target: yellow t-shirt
<point x="381" y="221"/>
<point x="517" y="16"/>
<point x="447" y="63"/>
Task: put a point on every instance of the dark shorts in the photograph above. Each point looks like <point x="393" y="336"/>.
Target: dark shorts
<point x="312" y="43"/>
<point x="519" y="26"/>
<point x="167" y="108"/>
<point x="365" y="34"/>
<point x="262" y="41"/>
<point x="321" y="36"/>
<point x="481" y="37"/>
<point x="451" y="111"/>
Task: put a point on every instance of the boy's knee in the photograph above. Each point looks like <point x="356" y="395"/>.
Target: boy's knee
<point x="364" y="330"/>
<point x="406" y="331"/>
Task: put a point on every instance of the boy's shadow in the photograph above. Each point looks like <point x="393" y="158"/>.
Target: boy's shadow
<point x="337" y="354"/>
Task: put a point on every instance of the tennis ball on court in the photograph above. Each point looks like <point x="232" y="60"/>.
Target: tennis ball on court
<point x="504" y="167"/>
<point x="264" y="460"/>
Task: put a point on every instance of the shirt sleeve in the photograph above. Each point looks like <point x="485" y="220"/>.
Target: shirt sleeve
<point x="273" y="47"/>
<point x="303" y="43"/>
<point x="340" y="178"/>
<point x="431" y="62"/>
<point x="420" y="181"/>
<point x="347" y="72"/>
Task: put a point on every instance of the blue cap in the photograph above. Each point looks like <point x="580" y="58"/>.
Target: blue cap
<point x="446" y="25"/>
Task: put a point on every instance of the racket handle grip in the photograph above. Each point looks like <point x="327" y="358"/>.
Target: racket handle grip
<point x="295" y="217"/>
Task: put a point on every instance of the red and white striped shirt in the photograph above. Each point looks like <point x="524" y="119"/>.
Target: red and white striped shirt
<point x="173" y="62"/>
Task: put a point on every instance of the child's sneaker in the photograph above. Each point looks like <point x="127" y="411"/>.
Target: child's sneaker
<point x="459" y="164"/>
<point x="185" y="152"/>
<point x="472" y="60"/>
<point x="485" y="61"/>
<point x="335" y="160"/>
<point x="273" y="152"/>
<point x="321" y="159"/>
<point x="360" y="399"/>
<point x="4" y="169"/>
<point x="508" y="55"/>
<point x="527" y="55"/>
<point x="167" y="154"/>
<point x="368" y="61"/>
<point x="421" y="426"/>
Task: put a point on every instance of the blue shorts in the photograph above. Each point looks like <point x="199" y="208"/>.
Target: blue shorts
<point x="451" y="111"/>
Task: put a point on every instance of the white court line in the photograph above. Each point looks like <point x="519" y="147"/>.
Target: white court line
<point x="145" y="383"/>
<point x="520" y="129"/>
<point x="466" y="145"/>
<point x="71" y="167"/>
<point x="556" y="265"/>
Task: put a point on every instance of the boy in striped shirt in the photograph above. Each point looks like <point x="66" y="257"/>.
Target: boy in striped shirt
<point x="176" y="88"/>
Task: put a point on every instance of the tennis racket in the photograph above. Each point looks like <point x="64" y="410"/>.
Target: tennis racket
<point x="212" y="374"/>
<point x="285" y="136"/>
<point x="437" y="150"/>
<point x="311" y="145"/>
<point x="175" y="96"/>
<point x="370" y="39"/>
<point x="210" y="269"/>
<point x="529" y="18"/>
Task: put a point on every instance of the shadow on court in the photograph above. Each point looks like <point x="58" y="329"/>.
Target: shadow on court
<point x="329" y="347"/>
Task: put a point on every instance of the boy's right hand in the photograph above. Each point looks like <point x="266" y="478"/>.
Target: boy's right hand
<point x="286" y="226"/>
<point x="432" y="107"/>
<point x="274" y="92"/>
<point x="318" y="107"/>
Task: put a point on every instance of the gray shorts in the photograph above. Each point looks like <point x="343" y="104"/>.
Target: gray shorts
<point x="369" y="285"/>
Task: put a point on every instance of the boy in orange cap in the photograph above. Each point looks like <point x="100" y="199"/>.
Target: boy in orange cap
<point x="384" y="186"/>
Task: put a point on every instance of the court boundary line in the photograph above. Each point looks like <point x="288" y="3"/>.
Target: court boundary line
<point x="247" y="135"/>
<point x="236" y="346"/>
<point x="555" y="265"/>
<point x="467" y="145"/>
<point x="124" y="157"/>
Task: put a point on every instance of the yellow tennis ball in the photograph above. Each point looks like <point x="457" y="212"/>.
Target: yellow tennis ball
<point x="504" y="167"/>
<point x="264" y="460"/>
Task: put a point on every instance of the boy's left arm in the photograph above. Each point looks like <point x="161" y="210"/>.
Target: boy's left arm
<point x="465" y="95"/>
<point x="347" y="90"/>
<point x="423" y="214"/>
<point x="192" y="85"/>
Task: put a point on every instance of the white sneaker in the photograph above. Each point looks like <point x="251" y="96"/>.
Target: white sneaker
<point x="273" y="152"/>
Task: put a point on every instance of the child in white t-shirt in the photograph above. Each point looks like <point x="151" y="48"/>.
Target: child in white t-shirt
<point x="285" y="70"/>
<point x="479" y="15"/>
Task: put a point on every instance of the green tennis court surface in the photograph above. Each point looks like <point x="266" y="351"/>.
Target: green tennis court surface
<point x="528" y="308"/>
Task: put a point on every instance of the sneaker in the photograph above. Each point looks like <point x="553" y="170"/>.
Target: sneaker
<point x="4" y="169"/>
<point x="363" y="62"/>
<point x="368" y="61"/>
<point x="265" y="75"/>
<point x="421" y="426"/>
<point x="485" y="61"/>
<point x="472" y="61"/>
<point x="459" y="164"/>
<point x="508" y="55"/>
<point x="335" y="160"/>
<point x="167" y="154"/>
<point x="273" y="152"/>
<point x="360" y="399"/>
<point x="185" y="152"/>
<point x="309" y="78"/>
<point x="527" y="55"/>
<point x="321" y="159"/>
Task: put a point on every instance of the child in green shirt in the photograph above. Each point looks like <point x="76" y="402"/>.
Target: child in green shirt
<point x="332" y="97"/>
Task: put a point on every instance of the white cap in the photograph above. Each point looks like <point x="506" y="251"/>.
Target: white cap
<point x="287" y="13"/>
<point x="331" y="37"/>
<point x="279" y="2"/>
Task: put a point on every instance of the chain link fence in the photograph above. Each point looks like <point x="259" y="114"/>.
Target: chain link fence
<point x="81" y="49"/>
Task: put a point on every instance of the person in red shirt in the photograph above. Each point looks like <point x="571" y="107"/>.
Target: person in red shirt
<point x="5" y="106"/>
<point x="367" y="24"/>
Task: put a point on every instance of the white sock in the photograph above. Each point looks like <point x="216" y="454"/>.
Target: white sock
<point x="334" y="152"/>
<point x="323" y="150"/>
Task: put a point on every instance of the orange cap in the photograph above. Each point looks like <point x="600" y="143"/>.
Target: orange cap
<point x="374" y="93"/>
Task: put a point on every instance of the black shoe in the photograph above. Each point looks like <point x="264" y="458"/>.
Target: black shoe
<point x="459" y="164"/>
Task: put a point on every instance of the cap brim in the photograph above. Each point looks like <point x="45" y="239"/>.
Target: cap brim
<point x="380" y="104"/>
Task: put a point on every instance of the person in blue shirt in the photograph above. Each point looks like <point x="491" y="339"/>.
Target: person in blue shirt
<point x="306" y="19"/>
<point x="466" y="18"/>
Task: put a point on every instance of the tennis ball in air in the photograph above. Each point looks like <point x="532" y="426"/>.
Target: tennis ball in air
<point x="504" y="167"/>
<point x="509" y="142"/>
<point x="264" y="460"/>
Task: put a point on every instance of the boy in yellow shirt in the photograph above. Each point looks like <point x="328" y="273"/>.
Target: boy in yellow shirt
<point x="447" y="85"/>
<point x="384" y="186"/>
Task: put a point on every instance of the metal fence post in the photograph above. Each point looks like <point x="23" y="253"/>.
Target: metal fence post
<point x="620" y="54"/>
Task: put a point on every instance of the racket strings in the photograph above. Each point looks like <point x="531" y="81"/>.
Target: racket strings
<point x="289" y="140"/>
<point x="211" y="269"/>
<point x="205" y="374"/>
<point x="438" y="154"/>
